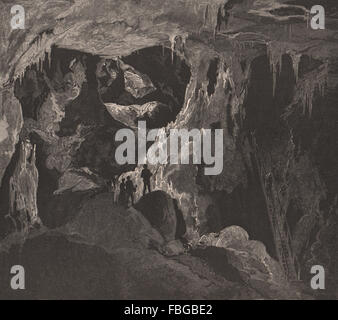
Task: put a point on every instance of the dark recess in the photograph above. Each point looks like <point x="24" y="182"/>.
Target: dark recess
<point x="212" y="75"/>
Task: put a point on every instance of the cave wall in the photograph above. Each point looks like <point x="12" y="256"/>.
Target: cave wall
<point x="267" y="168"/>
<point x="10" y="126"/>
<point x="273" y="92"/>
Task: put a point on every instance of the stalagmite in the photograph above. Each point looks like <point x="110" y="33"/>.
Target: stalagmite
<point x="23" y="189"/>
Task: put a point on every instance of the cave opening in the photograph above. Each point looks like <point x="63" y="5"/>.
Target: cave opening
<point x="152" y="81"/>
<point x="167" y="70"/>
<point x="63" y="101"/>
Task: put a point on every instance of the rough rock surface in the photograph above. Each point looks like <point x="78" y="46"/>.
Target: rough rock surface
<point x="11" y="122"/>
<point x="100" y="223"/>
<point x="156" y="114"/>
<point x="106" y="252"/>
<point x="136" y="83"/>
<point x="173" y="248"/>
<point x="78" y="180"/>
<point x="62" y="268"/>
<point x="23" y="210"/>
<point x="250" y="259"/>
<point x="225" y="237"/>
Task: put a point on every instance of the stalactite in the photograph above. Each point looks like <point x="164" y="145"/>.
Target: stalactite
<point x="309" y="86"/>
<point x="34" y="53"/>
<point x="172" y="39"/>
<point x="275" y="53"/>
<point x="49" y="57"/>
<point x="223" y="74"/>
<point x="175" y="46"/>
<point x="206" y="15"/>
<point x="290" y="31"/>
<point x="295" y="63"/>
<point x="21" y="77"/>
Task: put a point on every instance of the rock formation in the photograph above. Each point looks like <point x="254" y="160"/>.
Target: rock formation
<point x="23" y="210"/>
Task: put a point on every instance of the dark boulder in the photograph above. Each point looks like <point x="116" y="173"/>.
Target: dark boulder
<point x="161" y="211"/>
